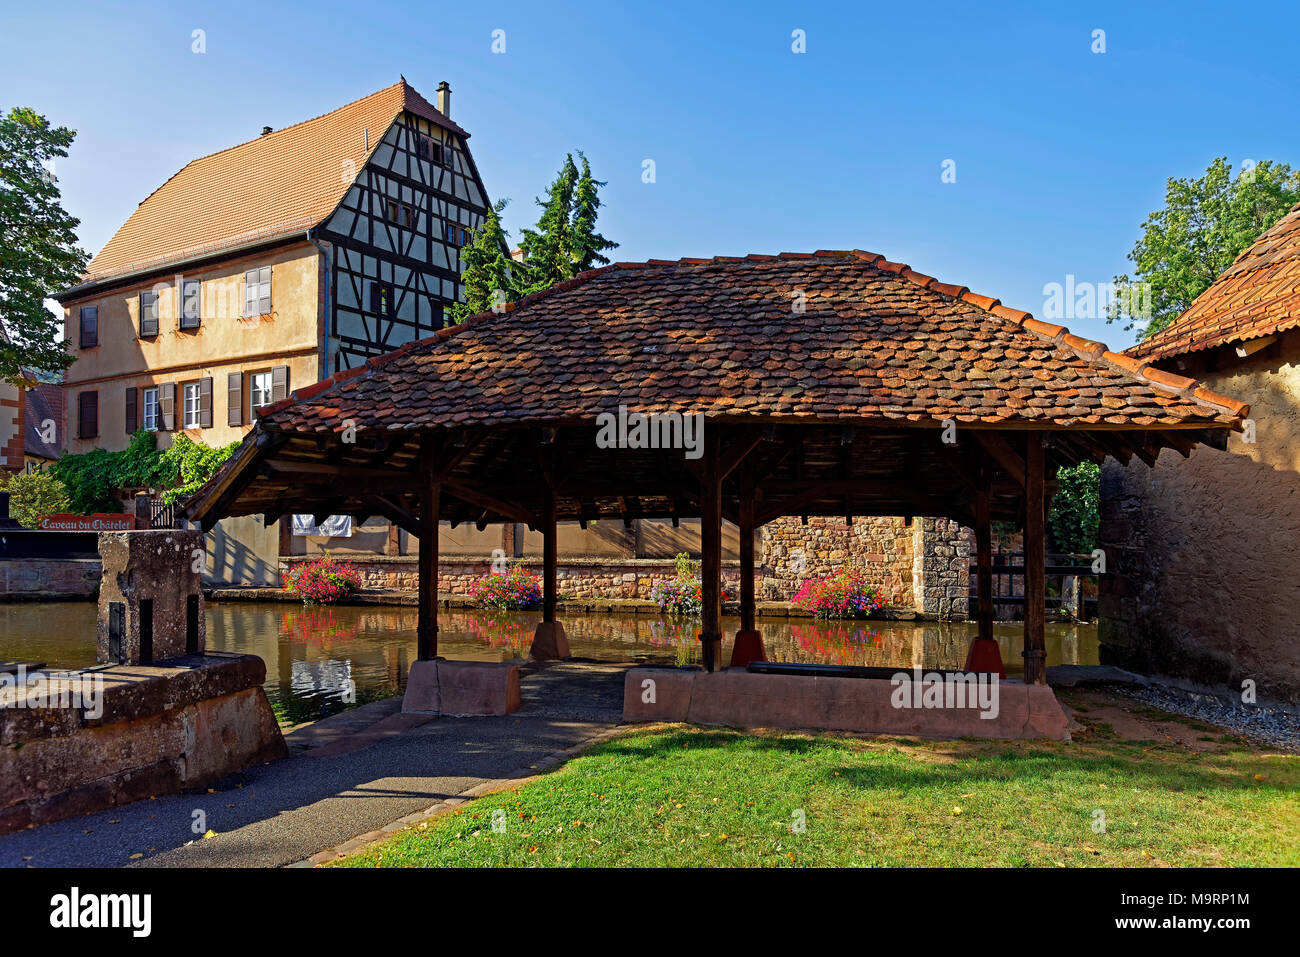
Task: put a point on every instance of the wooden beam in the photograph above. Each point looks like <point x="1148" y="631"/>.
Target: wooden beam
<point x="1035" y="650"/>
<point x="711" y="552"/>
<point x="984" y="560"/>
<point x="473" y="496"/>
<point x="426" y="629"/>
<point x="746" y="527"/>
<point x="1001" y="452"/>
<point x="550" y="558"/>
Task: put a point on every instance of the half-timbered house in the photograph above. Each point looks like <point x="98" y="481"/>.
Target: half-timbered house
<point x="262" y="268"/>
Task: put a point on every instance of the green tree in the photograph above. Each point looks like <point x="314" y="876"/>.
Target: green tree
<point x="588" y="245"/>
<point x="32" y="495"/>
<point x="1073" y="516"/>
<point x="487" y="271"/>
<point x="549" y="248"/>
<point x="38" y="251"/>
<point x="1204" y="225"/>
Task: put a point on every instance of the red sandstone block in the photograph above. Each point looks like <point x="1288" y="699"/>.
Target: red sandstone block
<point x="657" y="694"/>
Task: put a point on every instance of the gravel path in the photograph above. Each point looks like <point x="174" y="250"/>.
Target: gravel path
<point x="1272" y="726"/>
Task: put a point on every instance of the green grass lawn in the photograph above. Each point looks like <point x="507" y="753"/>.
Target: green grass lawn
<point x="686" y="796"/>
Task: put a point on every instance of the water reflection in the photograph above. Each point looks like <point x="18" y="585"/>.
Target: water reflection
<point x="314" y="655"/>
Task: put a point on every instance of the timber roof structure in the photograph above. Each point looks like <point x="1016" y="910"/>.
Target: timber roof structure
<point x="832" y="376"/>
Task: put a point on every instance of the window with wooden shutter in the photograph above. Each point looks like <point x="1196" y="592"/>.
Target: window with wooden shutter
<point x="205" y="403"/>
<point x="257" y="292"/>
<point x="191" y="303"/>
<point x="132" y="414"/>
<point x="167" y="406"/>
<point x="148" y="314"/>
<point x="87" y="415"/>
<point x="235" y="398"/>
<point x="279" y="383"/>
<point x="89" y="326"/>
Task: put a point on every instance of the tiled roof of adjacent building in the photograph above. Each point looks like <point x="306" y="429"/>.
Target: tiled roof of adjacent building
<point x="1257" y="296"/>
<point x="813" y="336"/>
<point x="283" y="182"/>
<point x="44" y="404"/>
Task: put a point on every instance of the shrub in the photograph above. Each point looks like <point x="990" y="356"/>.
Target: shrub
<point x="33" y="494"/>
<point x="678" y="596"/>
<point x="682" y="595"/>
<point x="322" y="581"/>
<point x="845" y="594"/>
<point x="508" y="591"/>
<point x="95" y="480"/>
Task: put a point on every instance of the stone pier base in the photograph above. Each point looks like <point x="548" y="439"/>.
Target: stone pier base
<point x="741" y="699"/>
<point x="549" y="642"/>
<point x="462" y="688"/>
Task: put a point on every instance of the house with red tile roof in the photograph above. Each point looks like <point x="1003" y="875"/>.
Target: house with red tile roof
<point x="267" y="266"/>
<point x="1201" y="551"/>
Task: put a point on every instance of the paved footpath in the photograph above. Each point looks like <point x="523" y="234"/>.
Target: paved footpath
<point x="346" y="775"/>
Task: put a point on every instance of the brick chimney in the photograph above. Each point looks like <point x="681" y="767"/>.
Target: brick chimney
<point x="444" y="99"/>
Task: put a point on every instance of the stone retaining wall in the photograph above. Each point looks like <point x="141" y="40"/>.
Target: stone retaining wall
<point x="49" y="579"/>
<point x="157" y="729"/>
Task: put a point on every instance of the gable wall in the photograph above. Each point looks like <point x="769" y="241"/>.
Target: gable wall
<point x="1201" y="580"/>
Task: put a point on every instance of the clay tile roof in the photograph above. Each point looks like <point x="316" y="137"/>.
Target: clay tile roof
<point x="43" y="402"/>
<point x="1258" y="295"/>
<point x="721" y="337"/>
<point x="284" y="182"/>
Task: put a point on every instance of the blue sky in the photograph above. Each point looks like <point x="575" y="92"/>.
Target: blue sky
<point x="1059" y="152"/>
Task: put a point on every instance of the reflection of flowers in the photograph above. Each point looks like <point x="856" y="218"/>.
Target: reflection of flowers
<point x="836" y="645"/>
<point x="496" y="630"/>
<point x="318" y="624"/>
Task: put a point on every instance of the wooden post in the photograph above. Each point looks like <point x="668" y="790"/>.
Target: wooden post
<point x="748" y="645"/>
<point x="746" y="560"/>
<point x="426" y="629"/>
<point x="549" y="641"/>
<point x="550" y="559"/>
<point x="984" y="654"/>
<point x="711" y="550"/>
<point x="1035" y="651"/>
<point x="984" y="562"/>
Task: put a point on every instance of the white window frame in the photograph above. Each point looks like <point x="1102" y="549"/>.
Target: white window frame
<point x="150" y="409"/>
<point x="266" y="392"/>
<point x="192" y="404"/>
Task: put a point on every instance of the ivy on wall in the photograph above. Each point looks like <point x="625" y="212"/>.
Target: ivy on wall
<point x="96" y="480"/>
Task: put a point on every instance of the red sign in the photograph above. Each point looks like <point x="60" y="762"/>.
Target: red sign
<point x="99" y="522"/>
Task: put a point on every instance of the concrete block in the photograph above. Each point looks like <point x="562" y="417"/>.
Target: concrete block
<point x="462" y="688"/>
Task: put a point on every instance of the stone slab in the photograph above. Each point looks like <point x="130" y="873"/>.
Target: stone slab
<point x="462" y="688"/>
<point x="736" y="698"/>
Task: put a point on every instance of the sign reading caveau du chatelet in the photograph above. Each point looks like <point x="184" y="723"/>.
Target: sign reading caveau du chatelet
<point x="99" y="522"/>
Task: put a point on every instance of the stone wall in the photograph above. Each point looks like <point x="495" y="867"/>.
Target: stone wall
<point x="578" y="578"/>
<point x="792" y="552"/>
<point x="49" y="579"/>
<point x="921" y="566"/>
<point x="1200" y="552"/>
<point x="151" y="730"/>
